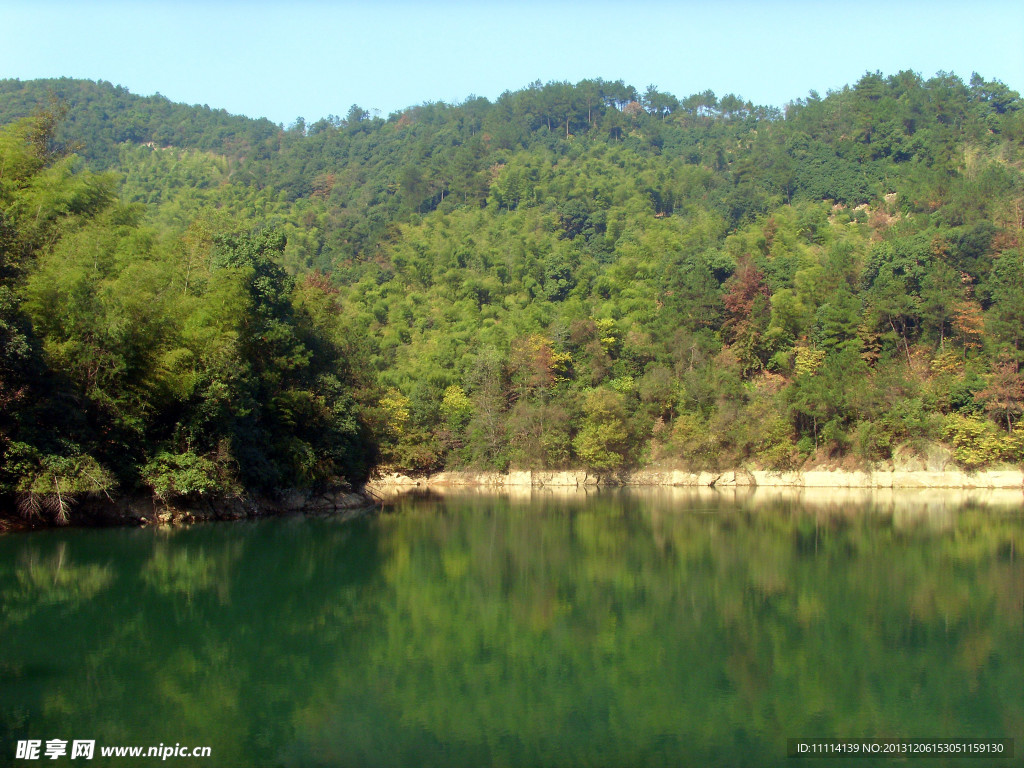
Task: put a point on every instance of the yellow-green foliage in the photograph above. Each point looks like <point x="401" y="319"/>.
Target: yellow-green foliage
<point x="978" y="442"/>
<point x="694" y="441"/>
<point x="603" y="440"/>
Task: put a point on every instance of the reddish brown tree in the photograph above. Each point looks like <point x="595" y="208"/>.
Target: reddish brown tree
<point x="748" y="310"/>
<point x="1004" y="395"/>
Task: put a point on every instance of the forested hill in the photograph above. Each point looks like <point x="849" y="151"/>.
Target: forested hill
<point x="571" y="274"/>
<point x="102" y="116"/>
<point x="359" y="173"/>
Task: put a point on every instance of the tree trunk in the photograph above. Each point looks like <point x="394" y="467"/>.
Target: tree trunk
<point x="906" y="344"/>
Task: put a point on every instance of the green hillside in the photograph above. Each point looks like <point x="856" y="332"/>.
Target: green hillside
<point x="572" y="275"/>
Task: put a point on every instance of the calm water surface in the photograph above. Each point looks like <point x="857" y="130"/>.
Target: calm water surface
<point x="610" y="629"/>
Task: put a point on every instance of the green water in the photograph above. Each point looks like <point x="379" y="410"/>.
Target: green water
<point x="611" y="629"/>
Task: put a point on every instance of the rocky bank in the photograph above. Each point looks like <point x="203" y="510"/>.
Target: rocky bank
<point x="815" y="478"/>
<point x="147" y="510"/>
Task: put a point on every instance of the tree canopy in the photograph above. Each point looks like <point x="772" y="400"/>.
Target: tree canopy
<point x="573" y="274"/>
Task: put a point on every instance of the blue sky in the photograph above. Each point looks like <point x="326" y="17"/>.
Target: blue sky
<point x="277" y="60"/>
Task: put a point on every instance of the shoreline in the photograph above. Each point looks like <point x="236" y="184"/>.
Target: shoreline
<point x="1003" y="479"/>
<point x="144" y="511"/>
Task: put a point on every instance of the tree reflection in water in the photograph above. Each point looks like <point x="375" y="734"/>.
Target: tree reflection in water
<point x="654" y="627"/>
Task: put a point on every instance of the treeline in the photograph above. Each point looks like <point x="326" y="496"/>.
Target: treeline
<point x="339" y="182"/>
<point x="102" y="116"/>
<point x="588" y="274"/>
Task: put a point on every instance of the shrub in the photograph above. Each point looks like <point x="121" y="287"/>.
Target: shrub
<point x="976" y="442"/>
<point x="180" y="474"/>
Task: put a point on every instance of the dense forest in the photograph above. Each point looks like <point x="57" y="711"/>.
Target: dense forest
<point x="571" y="275"/>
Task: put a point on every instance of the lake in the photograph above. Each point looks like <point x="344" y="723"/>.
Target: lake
<point x="613" y="628"/>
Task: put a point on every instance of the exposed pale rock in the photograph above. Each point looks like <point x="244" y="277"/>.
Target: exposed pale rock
<point x="706" y="479"/>
<point x="1007" y="478"/>
<point x="925" y="479"/>
<point x="777" y="479"/>
<point x="465" y="478"/>
<point x="648" y="477"/>
<point x="685" y="479"/>
<point x="882" y="479"/>
<point x="824" y="479"/>
<point x="395" y="478"/>
<point x="562" y="479"/>
<point x="736" y="478"/>
<point x="520" y="478"/>
<point x="733" y="478"/>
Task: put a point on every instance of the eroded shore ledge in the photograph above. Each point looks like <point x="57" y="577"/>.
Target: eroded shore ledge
<point x="818" y="478"/>
<point x="146" y="511"/>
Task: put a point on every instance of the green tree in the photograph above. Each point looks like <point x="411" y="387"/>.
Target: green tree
<point x="603" y="440"/>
